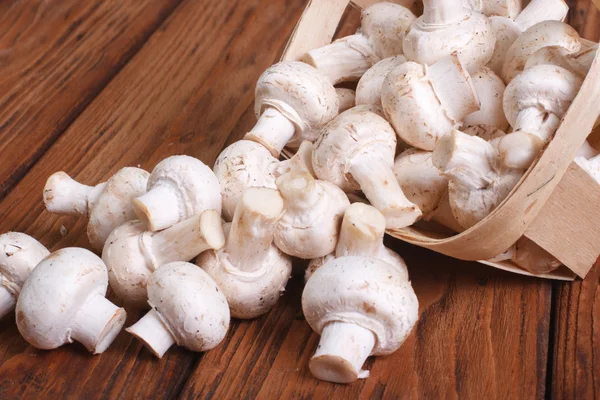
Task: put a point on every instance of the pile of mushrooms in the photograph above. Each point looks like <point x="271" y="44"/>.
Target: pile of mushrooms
<point x="451" y="108"/>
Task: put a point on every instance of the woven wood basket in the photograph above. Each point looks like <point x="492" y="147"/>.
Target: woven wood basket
<point x="556" y="204"/>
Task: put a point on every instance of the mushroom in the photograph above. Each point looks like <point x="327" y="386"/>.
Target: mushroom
<point x="346" y="99"/>
<point x="477" y="180"/>
<point x="107" y="204"/>
<point x="64" y="300"/>
<point x="360" y="306"/>
<point x="369" y="86"/>
<point x="445" y="27"/>
<point x="179" y="187"/>
<point x="578" y="63"/>
<point x="543" y="34"/>
<point x="380" y="36"/>
<point x="505" y="8"/>
<point x="507" y="30"/>
<point x="425" y="103"/>
<point x="132" y="254"/>
<point x="293" y="101"/>
<point x="534" y="103"/>
<point x="250" y="270"/>
<point x="313" y="212"/>
<point x="188" y="309"/>
<point x="490" y="91"/>
<point x="356" y="152"/>
<point x="19" y="254"/>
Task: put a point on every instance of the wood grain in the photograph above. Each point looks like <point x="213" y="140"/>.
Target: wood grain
<point x="55" y="57"/>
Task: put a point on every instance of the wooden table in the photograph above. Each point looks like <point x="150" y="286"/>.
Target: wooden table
<point x="91" y="86"/>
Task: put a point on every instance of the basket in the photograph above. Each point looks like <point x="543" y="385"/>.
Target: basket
<point x="553" y="205"/>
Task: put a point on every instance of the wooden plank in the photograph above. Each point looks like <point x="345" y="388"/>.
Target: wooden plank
<point x="584" y="16"/>
<point x="55" y="57"/>
<point x="481" y="334"/>
<point x="182" y="93"/>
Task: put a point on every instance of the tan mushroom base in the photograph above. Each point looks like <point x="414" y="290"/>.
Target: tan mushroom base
<point x="341" y="353"/>
<point x="153" y="333"/>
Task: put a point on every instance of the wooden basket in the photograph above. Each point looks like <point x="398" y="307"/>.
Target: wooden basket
<point x="556" y="204"/>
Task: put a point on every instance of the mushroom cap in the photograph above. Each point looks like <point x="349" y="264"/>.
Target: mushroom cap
<point x="191" y="303"/>
<point x="195" y="184"/>
<point x="19" y="255"/>
<point x="54" y="293"/>
<point x="420" y="180"/>
<point x="547" y="87"/>
<point x="249" y="294"/>
<point x="353" y="132"/>
<point x="365" y="291"/>
<point x="129" y="263"/>
<point x="506" y="31"/>
<point x="472" y="37"/>
<point x="113" y="206"/>
<point x="490" y="91"/>
<point x="300" y="92"/>
<point x="385" y="24"/>
<point x="368" y="90"/>
<point x="241" y="165"/>
<point x="412" y="107"/>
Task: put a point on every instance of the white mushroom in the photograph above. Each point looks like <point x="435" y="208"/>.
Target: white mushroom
<point x="534" y="103"/>
<point x="543" y="34"/>
<point x="507" y="30"/>
<point x="368" y="90"/>
<point x="132" y="253"/>
<point x="578" y="63"/>
<point x="380" y="36"/>
<point x="250" y="270"/>
<point x="107" y="204"/>
<point x="445" y="27"/>
<point x="356" y="152"/>
<point x="64" y="300"/>
<point x="314" y="209"/>
<point x="188" y="309"/>
<point x="505" y="8"/>
<point x="19" y="254"/>
<point x="490" y="91"/>
<point x="179" y="187"/>
<point x="478" y="181"/>
<point x="346" y="99"/>
<point x="360" y="307"/>
<point x="292" y="102"/>
<point x="425" y="103"/>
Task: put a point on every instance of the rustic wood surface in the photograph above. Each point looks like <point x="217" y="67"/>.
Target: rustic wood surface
<point x="89" y="87"/>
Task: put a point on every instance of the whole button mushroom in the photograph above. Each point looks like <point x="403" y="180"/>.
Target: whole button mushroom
<point x="250" y="270"/>
<point x="179" y="187"/>
<point x="490" y="91"/>
<point x="380" y="36"/>
<point x="313" y="211"/>
<point x="425" y="103"/>
<point x="19" y="255"/>
<point x="188" y="309"/>
<point x="578" y="62"/>
<point x="132" y="254"/>
<point x="292" y="101"/>
<point x="361" y="307"/>
<point x="64" y="300"/>
<point x="534" y="103"/>
<point x="446" y="26"/>
<point x="107" y="205"/>
<point x="356" y="152"/>
<point x="368" y="90"/>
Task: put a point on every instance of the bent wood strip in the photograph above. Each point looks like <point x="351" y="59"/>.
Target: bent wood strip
<point x="55" y="57"/>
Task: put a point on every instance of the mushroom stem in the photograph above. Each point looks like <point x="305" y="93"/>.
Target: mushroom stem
<point x="346" y="59"/>
<point x="454" y="87"/>
<point x="159" y="207"/>
<point x="7" y="300"/>
<point x="537" y="122"/>
<point x="301" y="161"/>
<point x="152" y="331"/>
<point x="519" y="149"/>
<point x="362" y="232"/>
<point x="97" y="323"/>
<point x="187" y="239"/>
<point x="251" y="234"/>
<point x="378" y="182"/>
<point x="342" y="351"/>
<point x="468" y="160"/>
<point x="443" y="12"/>
<point x="273" y="130"/>
<point x="541" y="10"/>
<point x="299" y="190"/>
<point x="64" y="195"/>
